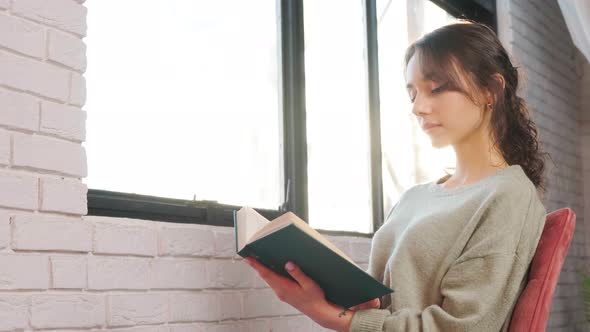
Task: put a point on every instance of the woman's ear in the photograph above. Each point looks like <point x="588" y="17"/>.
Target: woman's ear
<point x="498" y="87"/>
<point x="498" y="77"/>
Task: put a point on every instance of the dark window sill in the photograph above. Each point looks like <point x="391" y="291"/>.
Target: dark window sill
<point x="125" y="205"/>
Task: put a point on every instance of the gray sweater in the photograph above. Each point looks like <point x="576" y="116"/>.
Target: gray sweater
<point x="456" y="258"/>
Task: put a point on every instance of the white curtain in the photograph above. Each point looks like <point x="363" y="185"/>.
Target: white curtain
<point x="577" y="18"/>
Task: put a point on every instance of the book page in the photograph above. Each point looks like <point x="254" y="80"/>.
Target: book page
<point x="273" y="226"/>
<point x="248" y="223"/>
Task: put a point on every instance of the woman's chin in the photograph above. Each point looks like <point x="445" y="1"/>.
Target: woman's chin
<point x="438" y="143"/>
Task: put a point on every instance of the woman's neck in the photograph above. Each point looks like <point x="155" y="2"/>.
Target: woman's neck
<point x="475" y="161"/>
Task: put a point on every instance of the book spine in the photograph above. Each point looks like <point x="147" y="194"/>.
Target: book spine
<point x="235" y="230"/>
<point x="247" y="251"/>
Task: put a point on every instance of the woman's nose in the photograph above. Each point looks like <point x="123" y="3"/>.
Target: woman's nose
<point x="420" y="106"/>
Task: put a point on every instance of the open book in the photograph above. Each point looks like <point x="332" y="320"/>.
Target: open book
<point x="288" y="238"/>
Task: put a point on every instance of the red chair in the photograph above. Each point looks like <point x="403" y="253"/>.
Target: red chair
<point x="532" y="309"/>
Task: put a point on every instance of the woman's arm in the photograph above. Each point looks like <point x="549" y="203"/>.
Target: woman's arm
<point x="480" y="288"/>
<point x="478" y="295"/>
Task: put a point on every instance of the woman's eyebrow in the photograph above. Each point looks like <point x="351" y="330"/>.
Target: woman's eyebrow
<point x="430" y="76"/>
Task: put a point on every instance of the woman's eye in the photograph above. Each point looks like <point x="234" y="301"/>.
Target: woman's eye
<point x="435" y="90"/>
<point x="439" y="88"/>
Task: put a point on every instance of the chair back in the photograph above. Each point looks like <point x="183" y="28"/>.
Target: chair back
<point x="534" y="303"/>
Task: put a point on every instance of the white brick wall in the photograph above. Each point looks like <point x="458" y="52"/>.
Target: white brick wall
<point x="94" y="273"/>
<point x="554" y="88"/>
<point x="64" y="271"/>
<point x="63" y="121"/>
<point x="36" y="77"/>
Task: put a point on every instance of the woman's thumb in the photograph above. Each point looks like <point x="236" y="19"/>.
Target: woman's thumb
<point x="374" y="303"/>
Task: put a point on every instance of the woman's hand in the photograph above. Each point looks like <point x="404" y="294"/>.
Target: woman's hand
<point x="304" y="294"/>
<point x="372" y="304"/>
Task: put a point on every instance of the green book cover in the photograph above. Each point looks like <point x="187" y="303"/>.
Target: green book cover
<point x="343" y="282"/>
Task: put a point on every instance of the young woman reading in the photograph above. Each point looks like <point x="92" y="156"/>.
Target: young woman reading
<point x="456" y="250"/>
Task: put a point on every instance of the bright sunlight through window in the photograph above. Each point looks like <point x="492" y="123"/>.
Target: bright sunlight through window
<point x="183" y="100"/>
<point x="408" y="157"/>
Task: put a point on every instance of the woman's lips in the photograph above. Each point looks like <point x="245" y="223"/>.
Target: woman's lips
<point x="430" y="126"/>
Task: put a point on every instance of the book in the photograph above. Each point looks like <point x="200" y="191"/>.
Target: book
<point x="289" y="238"/>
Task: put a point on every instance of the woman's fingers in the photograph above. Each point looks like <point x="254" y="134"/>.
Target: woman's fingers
<point x="374" y="303"/>
<point x="273" y="279"/>
<point x="302" y="279"/>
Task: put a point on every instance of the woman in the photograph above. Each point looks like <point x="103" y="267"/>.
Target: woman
<point x="456" y="251"/>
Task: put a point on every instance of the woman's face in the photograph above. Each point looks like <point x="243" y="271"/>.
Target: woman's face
<point x="455" y="116"/>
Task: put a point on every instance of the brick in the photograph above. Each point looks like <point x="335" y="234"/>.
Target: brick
<point x="193" y="327"/>
<point x="179" y="273"/>
<point x="118" y="273"/>
<point x="19" y="190"/>
<point x="4" y="147"/>
<point x="33" y="232"/>
<point x="157" y="328"/>
<point x="342" y="243"/>
<point x="360" y="251"/>
<point x="124" y="236"/>
<point x="64" y="195"/>
<point x="227" y="326"/>
<point x="259" y="325"/>
<point x="4" y="229"/>
<point x="230" y="304"/>
<point x="78" y="90"/>
<point x="183" y="240"/>
<point x="62" y="120"/>
<point x="230" y="326"/>
<point x="230" y="274"/>
<point x="197" y="306"/>
<point x="225" y="243"/>
<point x="14" y="311"/>
<point x="136" y="309"/>
<point x="48" y="153"/>
<point x="315" y="327"/>
<point x="24" y="271"/>
<point x="291" y="324"/>
<point x="68" y="272"/>
<point x="19" y="110"/>
<point x="34" y="76"/>
<point x="264" y="302"/>
<point x="22" y="36"/>
<point x="67" y="311"/>
<point x="64" y="14"/>
<point x="559" y="318"/>
<point x="66" y="49"/>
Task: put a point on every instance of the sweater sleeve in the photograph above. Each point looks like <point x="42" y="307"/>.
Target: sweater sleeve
<point x="483" y="283"/>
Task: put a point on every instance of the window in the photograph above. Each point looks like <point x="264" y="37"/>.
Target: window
<point x="183" y="100"/>
<point x="196" y="108"/>
<point x="338" y="147"/>
<point x="414" y="161"/>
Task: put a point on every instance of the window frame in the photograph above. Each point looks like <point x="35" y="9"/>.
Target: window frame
<point x="293" y="131"/>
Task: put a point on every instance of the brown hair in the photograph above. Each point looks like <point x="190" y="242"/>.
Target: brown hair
<point x="469" y="56"/>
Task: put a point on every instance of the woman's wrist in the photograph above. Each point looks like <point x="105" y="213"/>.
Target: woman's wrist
<point x="335" y="317"/>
